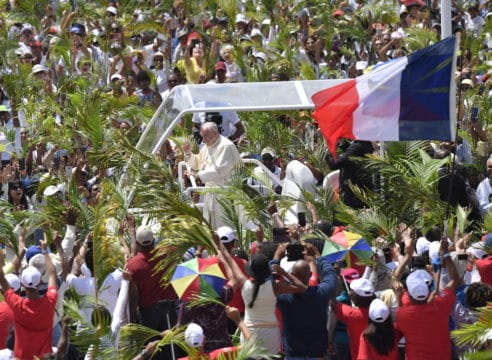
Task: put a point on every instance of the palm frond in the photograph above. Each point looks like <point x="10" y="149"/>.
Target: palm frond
<point x="133" y="337"/>
<point x="475" y="335"/>
<point x="203" y="299"/>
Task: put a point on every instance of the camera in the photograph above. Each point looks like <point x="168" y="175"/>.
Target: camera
<point x="295" y="252"/>
<point x="280" y="235"/>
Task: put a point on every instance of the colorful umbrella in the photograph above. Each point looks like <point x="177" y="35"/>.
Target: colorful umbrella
<point x="347" y="246"/>
<point x="198" y="276"/>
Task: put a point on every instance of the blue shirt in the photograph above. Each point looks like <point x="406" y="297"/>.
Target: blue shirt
<point x="304" y="315"/>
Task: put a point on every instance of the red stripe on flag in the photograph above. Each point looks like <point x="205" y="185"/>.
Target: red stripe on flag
<point x="333" y="112"/>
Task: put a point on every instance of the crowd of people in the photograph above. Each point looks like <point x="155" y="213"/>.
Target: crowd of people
<point x="89" y="75"/>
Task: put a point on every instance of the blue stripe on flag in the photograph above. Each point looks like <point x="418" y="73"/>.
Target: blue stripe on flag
<point x="425" y="93"/>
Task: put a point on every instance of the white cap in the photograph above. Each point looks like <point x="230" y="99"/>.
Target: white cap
<point x="267" y="21"/>
<point x="112" y="10"/>
<point x="378" y="311"/>
<point x="434" y="248"/>
<point x="145" y="236"/>
<point x="225" y="234"/>
<point x="476" y="249"/>
<point x="241" y="18"/>
<point x="268" y="150"/>
<point x="51" y="190"/>
<point x="362" y="287"/>
<point x="422" y="245"/>
<point x="39" y="68"/>
<point x="423" y="275"/>
<point x="161" y="36"/>
<point x="256" y="32"/>
<point x="194" y="335"/>
<point x="13" y="281"/>
<point x="260" y="55"/>
<point x="116" y="76"/>
<point x="361" y="65"/>
<point x="416" y="285"/>
<point x="30" y="277"/>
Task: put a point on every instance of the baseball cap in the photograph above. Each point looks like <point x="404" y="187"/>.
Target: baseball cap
<point x="31" y="251"/>
<point x="30" y="277"/>
<point x="422" y="245"/>
<point x="241" y="18"/>
<point x="256" y="32"/>
<point x="258" y="265"/>
<point x="423" y="275"/>
<point x="145" y="236"/>
<point x="220" y="66"/>
<point x="194" y="335"/>
<point x="476" y="249"/>
<point x="4" y="108"/>
<point x="225" y="234"/>
<point x="338" y="12"/>
<point x="350" y="274"/>
<point x="38" y="68"/>
<point x="268" y="150"/>
<point x="77" y="28"/>
<point x="116" y="77"/>
<point x="378" y="311"/>
<point x="468" y="82"/>
<point x="416" y="285"/>
<point x="14" y="281"/>
<point x="181" y="33"/>
<point x="112" y="10"/>
<point x="362" y="287"/>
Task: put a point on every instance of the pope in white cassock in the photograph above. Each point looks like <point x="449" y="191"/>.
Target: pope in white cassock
<point x="213" y="165"/>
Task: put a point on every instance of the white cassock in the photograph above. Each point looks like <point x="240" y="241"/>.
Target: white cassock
<point x="214" y="165"/>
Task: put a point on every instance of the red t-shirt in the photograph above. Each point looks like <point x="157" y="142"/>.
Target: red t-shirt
<point x="33" y="321"/>
<point x="426" y="327"/>
<point x="368" y="352"/>
<point x="227" y="353"/>
<point x="484" y="267"/>
<point x="356" y="321"/>
<point x="150" y="291"/>
<point x="6" y="322"/>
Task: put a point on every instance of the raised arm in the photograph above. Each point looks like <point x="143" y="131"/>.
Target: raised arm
<point x="50" y="268"/>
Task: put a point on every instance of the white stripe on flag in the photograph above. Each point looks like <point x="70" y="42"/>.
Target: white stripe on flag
<point x="378" y="113"/>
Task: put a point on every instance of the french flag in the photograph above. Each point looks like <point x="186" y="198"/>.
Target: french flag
<point x="409" y="98"/>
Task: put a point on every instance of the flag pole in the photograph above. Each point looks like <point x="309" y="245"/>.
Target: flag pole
<point x="446" y="23"/>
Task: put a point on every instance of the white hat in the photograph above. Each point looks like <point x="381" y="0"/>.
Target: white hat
<point x="241" y="18"/>
<point x="422" y="245"/>
<point x="256" y="32"/>
<point x="225" y="234"/>
<point x="112" y="10"/>
<point x="51" y="190"/>
<point x="38" y="262"/>
<point x="416" y="285"/>
<point x="434" y="248"/>
<point x="30" y="277"/>
<point x="260" y="55"/>
<point x="361" y="65"/>
<point x="267" y="21"/>
<point x="13" y="281"/>
<point x="476" y="249"/>
<point x="468" y="82"/>
<point x="268" y="150"/>
<point x="161" y="36"/>
<point x="194" y="335"/>
<point x="116" y="76"/>
<point x="145" y="236"/>
<point x="423" y="275"/>
<point x="39" y="68"/>
<point x="378" y="311"/>
<point x="362" y="287"/>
